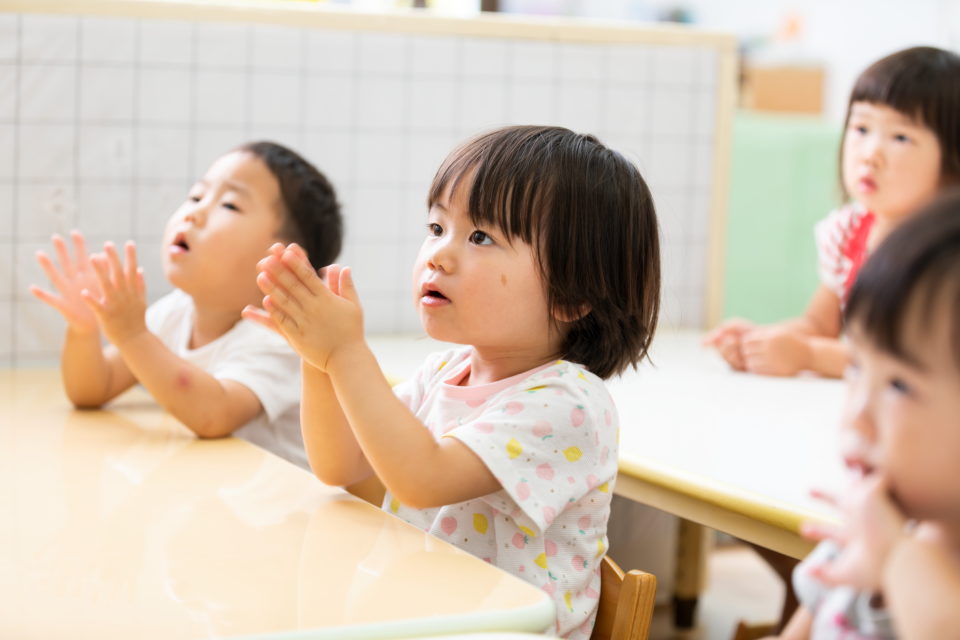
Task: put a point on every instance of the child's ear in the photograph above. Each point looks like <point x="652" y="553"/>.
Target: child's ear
<point x="571" y="313"/>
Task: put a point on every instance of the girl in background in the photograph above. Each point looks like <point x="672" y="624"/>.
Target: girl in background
<point x="900" y="147"/>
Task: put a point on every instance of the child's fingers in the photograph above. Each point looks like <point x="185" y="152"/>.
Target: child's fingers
<point x="95" y="305"/>
<point x="114" y="267"/>
<point x="79" y="247"/>
<point x="141" y="283"/>
<point x="63" y="256"/>
<point x="259" y="316"/>
<point x="820" y="531"/>
<point x="831" y="575"/>
<point x="276" y="292"/>
<point x="101" y="272"/>
<point x="347" y="289"/>
<point x="331" y="274"/>
<point x="280" y="318"/>
<point x="825" y="496"/>
<point x="297" y="263"/>
<point x="298" y="250"/>
<point x="51" y="270"/>
<point x="54" y="301"/>
<point x="130" y="268"/>
<point x="729" y="348"/>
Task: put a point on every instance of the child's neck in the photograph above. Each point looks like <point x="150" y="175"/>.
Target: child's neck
<point x="491" y="365"/>
<point x="210" y="322"/>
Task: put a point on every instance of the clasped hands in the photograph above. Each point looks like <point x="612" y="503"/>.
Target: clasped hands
<point x="321" y="318"/>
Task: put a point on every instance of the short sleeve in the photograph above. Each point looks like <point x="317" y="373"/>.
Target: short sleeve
<point x="829" y="235"/>
<point x="263" y="362"/>
<point x="164" y="317"/>
<point x="411" y="392"/>
<point x="547" y="442"/>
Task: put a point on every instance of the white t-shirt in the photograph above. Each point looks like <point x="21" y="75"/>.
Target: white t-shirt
<point x="252" y="355"/>
<point x="550" y="437"/>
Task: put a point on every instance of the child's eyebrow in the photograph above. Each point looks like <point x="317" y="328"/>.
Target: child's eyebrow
<point x="236" y="186"/>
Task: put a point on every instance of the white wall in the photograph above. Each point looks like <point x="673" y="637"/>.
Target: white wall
<point x="105" y="122"/>
<point x="844" y="35"/>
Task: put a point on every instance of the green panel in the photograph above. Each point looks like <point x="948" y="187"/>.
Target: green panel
<point x="783" y="180"/>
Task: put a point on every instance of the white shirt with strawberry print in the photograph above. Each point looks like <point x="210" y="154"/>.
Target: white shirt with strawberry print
<point x="549" y="436"/>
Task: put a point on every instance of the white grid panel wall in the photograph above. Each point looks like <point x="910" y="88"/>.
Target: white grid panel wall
<point x="105" y="123"/>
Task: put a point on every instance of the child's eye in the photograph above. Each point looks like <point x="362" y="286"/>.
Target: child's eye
<point x="231" y="206"/>
<point x="194" y="198"/>
<point x="901" y="138"/>
<point x="479" y="237"/>
<point x="862" y="130"/>
<point x="434" y="229"/>
<point x="898" y="385"/>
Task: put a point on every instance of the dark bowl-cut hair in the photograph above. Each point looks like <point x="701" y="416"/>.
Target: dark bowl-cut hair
<point x="311" y="213"/>
<point x="923" y="83"/>
<point x="917" y="264"/>
<point x="590" y="219"/>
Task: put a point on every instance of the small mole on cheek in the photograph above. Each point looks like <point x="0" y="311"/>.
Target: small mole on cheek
<point x="503" y="279"/>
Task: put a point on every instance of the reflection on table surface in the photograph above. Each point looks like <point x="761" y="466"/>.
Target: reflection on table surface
<point x="120" y="523"/>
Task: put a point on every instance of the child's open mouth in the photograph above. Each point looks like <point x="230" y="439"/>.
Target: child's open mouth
<point x="179" y="244"/>
<point x="430" y="295"/>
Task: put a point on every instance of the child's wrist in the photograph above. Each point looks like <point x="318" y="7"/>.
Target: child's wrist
<point x="346" y="356"/>
<point x="129" y="338"/>
<point x="83" y="332"/>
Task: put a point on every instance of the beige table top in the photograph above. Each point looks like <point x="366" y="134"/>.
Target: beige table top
<point x="735" y="452"/>
<point x="120" y="523"/>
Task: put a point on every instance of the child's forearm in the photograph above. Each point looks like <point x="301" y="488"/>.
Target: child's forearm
<point x="921" y="585"/>
<point x="88" y="375"/>
<point x="196" y="398"/>
<point x="332" y="449"/>
<point x="828" y="357"/>
<point x="406" y="457"/>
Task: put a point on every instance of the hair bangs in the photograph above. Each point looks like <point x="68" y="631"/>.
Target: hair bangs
<point x="509" y="184"/>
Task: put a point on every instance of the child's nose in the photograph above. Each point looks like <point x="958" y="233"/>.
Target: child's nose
<point x="440" y="257"/>
<point x="872" y="150"/>
<point x="858" y="414"/>
<point x="197" y="214"/>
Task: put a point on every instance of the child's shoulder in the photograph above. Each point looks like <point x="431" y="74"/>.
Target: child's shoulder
<point x="842" y="220"/>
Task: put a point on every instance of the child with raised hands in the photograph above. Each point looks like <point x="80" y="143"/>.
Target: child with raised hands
<point x="893" y="567"/>
<point x="901" y="146"/>
<point x="541" y="258"/>
<point x="215" y="372"/>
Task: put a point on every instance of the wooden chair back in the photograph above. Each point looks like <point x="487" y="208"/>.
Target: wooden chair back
<point x="626" y="603"/>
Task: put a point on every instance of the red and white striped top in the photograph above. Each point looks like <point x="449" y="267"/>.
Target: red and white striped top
<point x="842" y="247"/>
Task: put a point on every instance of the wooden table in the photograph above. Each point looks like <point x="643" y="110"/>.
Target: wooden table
<point x="118" y="523"/>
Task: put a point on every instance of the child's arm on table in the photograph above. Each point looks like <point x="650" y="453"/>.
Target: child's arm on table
<point x="325" y="325"/>
<point x="810" y="342"/>
<point x="92" y="375"/>
<point x="209" y="407"/>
